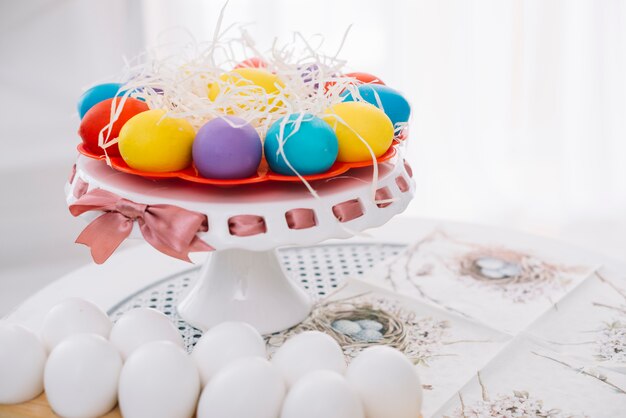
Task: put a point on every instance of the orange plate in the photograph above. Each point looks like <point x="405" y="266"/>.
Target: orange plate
<point x="263" y="174"/>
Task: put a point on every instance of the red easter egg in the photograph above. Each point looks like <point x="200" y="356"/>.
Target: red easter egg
<point x="254" y="62"/>
<point x="99" y="116"/>
<point x="366" y="78"/>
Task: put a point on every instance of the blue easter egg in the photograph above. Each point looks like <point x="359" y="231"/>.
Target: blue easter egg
<point x="395" y="106"/>
<point x="310" y="149"/>
<point x="97" y="94"/>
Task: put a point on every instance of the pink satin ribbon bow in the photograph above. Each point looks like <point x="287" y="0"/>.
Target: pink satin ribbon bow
<point x="170" y="229"/>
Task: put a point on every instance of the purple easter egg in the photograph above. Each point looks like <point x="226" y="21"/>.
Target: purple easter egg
<point x="223" y="151"/>
<point x="310" y="71"/>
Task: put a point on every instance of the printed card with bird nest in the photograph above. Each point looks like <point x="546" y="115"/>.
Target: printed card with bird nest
<point x="475" y="276"/>
<point x="446" y="349"/>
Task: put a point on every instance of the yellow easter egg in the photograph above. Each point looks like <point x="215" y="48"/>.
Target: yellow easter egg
<point x="257" y="80"/>
<point x="355" y="122"/>
<point x="151" y="142"/>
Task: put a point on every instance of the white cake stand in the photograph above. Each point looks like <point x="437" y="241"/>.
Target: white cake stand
<point x="242" y="280"/>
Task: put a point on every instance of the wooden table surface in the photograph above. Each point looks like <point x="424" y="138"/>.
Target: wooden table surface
<point x="39" y="408"/>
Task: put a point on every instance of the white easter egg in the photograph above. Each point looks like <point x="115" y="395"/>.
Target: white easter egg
<point x="225" y="343"/>
<point x="249" y="387"/>
<point x="73" y="316"/>
<point x="307" y="352"/>
<point x="159" y="380"/>
<point x="140" y="326"/>
<point x="22" y="360"/>
<point x="81" y="376"/>
<point x="387" y="383"/>
<point x="322" y="394"/>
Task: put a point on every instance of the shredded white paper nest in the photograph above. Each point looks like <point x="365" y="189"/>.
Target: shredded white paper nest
<point x="177" y="77"/>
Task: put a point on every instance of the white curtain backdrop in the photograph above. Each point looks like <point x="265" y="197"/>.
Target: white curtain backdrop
<point x="519" y="107"/>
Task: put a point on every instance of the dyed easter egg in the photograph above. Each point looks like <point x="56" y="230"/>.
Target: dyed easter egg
<point x="309" y="145"/>
<point x="96" y="94"/>
<point x="257" y="80"/>
<point x="357" y="124"/>
<point x="253" y="62"/>
<point x="98" y="118"/>
<point x="365" y="78"/>
<point x="391" y="101"/>
<point x="151" y="141"/>
<point x="309" y="73"/>
<point x="226" y="151"/>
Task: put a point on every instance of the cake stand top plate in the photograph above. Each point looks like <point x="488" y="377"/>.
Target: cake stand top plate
<point x="271" y="203"/>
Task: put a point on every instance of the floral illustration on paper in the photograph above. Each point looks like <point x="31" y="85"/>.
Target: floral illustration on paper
<point x="610" y="340"/>
<point x="611" y="343"/>
<point x="517" y="404"/>
<point x="513" y="405"/>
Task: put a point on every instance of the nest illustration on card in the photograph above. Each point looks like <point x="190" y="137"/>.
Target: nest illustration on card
<point x="517" y="276"/>
<point x="365" y="320"/>
<point x="516" y="404"/>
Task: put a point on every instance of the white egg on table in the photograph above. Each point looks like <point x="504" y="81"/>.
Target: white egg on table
<point x="249" y="387"/>
<point x="322" y="394"/>
<point x="81" y="376"/>
<point x="22" y="361"/>
<point x="73" y="316"/>
<point x="141" y="326"/>
<point x="307" y="352"/>
<point x="225" y="343"/>
<point x="159" y="380"/>
<point x="387" y="383"/>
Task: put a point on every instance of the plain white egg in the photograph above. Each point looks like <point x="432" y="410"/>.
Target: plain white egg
<point x="307" y="352"/>
<point x="225" y="343"/>
<point x="387" y="383"/>
<point x="81" y="376"/>
<point x="140" y="326"/>
<point x="322" y="394"/>
<point x="159" y="380"/>
<point x="22" y="360"/>
<point x="73" y="316"/>
<point x="249" y="387"/>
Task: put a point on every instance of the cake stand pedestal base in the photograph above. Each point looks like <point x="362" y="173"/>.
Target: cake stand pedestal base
<point x="248" y="286"/>
<point x="243" y="280"/>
